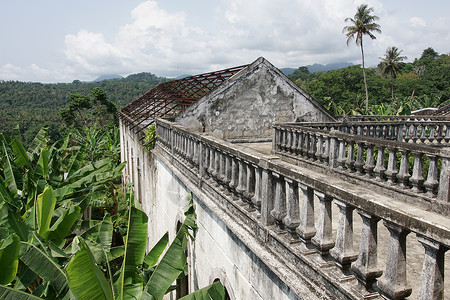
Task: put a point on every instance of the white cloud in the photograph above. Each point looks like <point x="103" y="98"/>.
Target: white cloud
<point x="417" y="21"/>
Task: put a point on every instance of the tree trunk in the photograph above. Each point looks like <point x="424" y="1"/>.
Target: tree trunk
<point x="364" y="74"/>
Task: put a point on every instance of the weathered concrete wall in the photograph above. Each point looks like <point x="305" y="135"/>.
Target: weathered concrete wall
<point x="246" y="106"/>
<point x="217" y="252"/>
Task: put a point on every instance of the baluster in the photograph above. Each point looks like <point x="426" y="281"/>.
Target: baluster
<point x="250" y="186"/>
<point x="351" y="156"/>
<point x="431" y="183"/>
<point x="266" y="197"/>
<point x="393" y="285"/>
<point x="216" y="169"/>
<point x="203" y="160"/>
<point x="292" y="219"/>
<point x="379" y="168"/>
<point x="343" y="252"/>
<point x="300" y="143"/>
<point x="319" y="147"/>
<point x="370" y="161"/>
<point x="391" y="171"/>
<point x="323" y="239"/>
<point x="326" y="150"/>
<point x="403" y="174"/>
<point x="283" y="140"/>
<point x="195" y="149"/>
<point x="333" y="152"/>
<point x="341" y="156"/>
<point x="279" y="210"/>
<point x="211" y="161"/>
<point x="306" y="229"/>
<point x="240" y="189"/>
<point x="312" y="147"/>
<point x="306" y="142"/>
<point x="432" y="282"/>
<point x="366" y="265"/>
<point x="359" y="164"/>
<point x="444" y="182"/>
<point x="294" y="142"/>
<point x="256" y="199"/>
<point x="227" y="180"/>
<point x="289" y="140"/>
<point x="234" y="174"/>
<point x="417" y="178"/>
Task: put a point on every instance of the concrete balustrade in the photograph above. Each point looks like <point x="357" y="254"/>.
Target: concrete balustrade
<point x="435" y="132"/>
<point x="278" y="199"/>
<point x="413" y="168"/>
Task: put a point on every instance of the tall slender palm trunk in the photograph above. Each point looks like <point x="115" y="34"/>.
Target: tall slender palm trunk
<point x="364" y="74"/>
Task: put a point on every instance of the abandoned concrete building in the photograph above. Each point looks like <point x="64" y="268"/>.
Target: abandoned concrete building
<point x="292" y="202"/>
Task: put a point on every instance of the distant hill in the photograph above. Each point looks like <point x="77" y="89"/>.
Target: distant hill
<point x="107" y="77"/>
<point x="318" y="67"/>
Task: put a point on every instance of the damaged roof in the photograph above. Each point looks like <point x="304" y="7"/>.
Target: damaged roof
<point x="168" y="99"/>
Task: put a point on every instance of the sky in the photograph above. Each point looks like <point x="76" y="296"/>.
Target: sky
<point x="60" y="41"/>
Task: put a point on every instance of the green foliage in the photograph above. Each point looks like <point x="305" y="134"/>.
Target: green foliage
<point x="342" y="91"/>
<point x="150" y="138"/>
<point x="33" y="105"/>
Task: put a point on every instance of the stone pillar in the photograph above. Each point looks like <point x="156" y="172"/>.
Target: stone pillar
<point x="234" y="174"/>
<point x="343" y="252"/>
<point x="366" y="265"/>
<point x="393" y="285"/>
<point x="370" y="161"/>
<point x="391" y="172"/>
<point x="292" y="219"/>
<point x="279" y="210"/>
<point x="432" y="283"/>
<point x="250" y="186"/>
<point x="323" y="240"/>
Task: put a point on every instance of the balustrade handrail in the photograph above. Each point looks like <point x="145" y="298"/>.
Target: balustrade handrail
<point x="384" y="117"/>
<point x="275" y="190"/>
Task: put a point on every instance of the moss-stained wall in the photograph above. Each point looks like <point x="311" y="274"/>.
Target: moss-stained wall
<point x="246" y="106"/>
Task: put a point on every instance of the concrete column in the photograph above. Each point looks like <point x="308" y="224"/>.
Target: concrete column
<point x="323" y="240"/>
<point x="366" y="265"/>
<point x="279" y="210"/>
<point x="359" y="164"/>
<point x="241" y="177"/>
<point x="432" y="283"/>
<point x="306" y="229"/>
<point x="211" y="161"/>
<point x="266" y="197"/>
<point x="393" y="285"/>
<point x="319" y="149"/>
<point x="343" y="252"/>
<point x="341" y="156"/>
<point x="333" y="151"/>
<point x="292" y="219"/>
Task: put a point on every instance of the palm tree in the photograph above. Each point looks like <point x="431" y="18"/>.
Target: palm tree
<point x="391" y="64"/>
<point x="362" y="23"/>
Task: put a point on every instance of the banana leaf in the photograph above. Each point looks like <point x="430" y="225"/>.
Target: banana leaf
<point x="8" y="170"/>
<point x="86" y="279"/>
<point x="10" y="293"/>
<point x="43" y="265"/>
<point x="63" y="225"/>
<point x="9" y="258"/>
<point x="39" y="142"/>
<point x="129" y="283"/>
<point x="22" y="158"/>
<point x="173" y="262"/>
<point x="215" y="291"/>
<point x="45" y="206"/>
<point x="153" y="255"/>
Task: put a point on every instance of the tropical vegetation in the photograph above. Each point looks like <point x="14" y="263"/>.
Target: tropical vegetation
<point x="50" y="250"/>
<point x="363" y="23"/>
